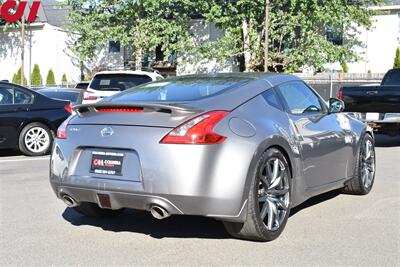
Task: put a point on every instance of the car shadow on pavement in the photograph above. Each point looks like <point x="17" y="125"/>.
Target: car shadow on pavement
<point x="173" y="227"/>
<point x="142" y="222"/>
<point x="387" y="141"/>
<point x="314" y="201"/>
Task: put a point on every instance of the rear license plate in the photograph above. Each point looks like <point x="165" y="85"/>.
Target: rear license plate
<point x="372" y="116"/>
<point x="108" y="163"/>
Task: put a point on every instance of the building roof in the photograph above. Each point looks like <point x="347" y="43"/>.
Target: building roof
<point x="52" y="12"/>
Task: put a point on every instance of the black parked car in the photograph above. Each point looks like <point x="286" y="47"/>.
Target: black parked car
<point x="74" y="96"/>
<point x="29" y="120"/>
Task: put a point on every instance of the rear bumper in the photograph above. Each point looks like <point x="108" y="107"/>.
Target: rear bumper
<point x="174" y="204"/>
<point x="183" y="179"/>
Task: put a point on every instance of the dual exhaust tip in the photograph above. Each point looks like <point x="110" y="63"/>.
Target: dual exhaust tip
<point x="69" y="201"/>
<point x="156" y="211"/>
<point x="159" y="212"/>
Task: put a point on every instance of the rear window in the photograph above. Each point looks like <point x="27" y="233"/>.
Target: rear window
<point x="68" y="96"/>
<point x="117" y="82"/>
<point x="81" y="85"/>
<point x="179" y="90"/>
<point x="392" y="78"/>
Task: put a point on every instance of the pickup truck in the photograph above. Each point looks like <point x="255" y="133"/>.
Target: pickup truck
<point x="379" y="106"/>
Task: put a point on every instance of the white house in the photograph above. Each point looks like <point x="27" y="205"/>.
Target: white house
<point x="380" y="42"/>
<point x="47" y="44"/>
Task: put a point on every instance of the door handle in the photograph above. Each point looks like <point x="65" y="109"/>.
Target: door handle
<point x="372" y="92"/>
<point x="20" y="109"/>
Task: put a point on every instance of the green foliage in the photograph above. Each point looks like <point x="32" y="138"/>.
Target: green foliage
<point x="36" y="77"/>
<point x="297" y="32"/>
<point x="50" y="79"/>
<point x="17" y="77"/>
<point x="345" y="68"/>
<point x="64" y="79"/>
<point x="396" y="64"/>
<point x="141" y="24"/>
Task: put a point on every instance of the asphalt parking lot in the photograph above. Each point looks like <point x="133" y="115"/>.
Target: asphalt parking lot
<point x="329" y="230"/>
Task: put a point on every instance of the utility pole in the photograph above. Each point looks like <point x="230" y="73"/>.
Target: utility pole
<point x="266" y="33"/>
<point x="22" y="49"/>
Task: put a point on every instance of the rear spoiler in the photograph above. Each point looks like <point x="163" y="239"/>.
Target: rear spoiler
<point x="142" y="106"/>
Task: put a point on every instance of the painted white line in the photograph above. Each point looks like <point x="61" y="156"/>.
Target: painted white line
<point x="24" y="159"/>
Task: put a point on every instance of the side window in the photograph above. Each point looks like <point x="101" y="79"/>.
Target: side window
<point x="21" y="97"/>
<point x="300" y="99"/>
<point x="10" y="96"/>
<point x="6" y="95"/>
<point x="271" y="99"/>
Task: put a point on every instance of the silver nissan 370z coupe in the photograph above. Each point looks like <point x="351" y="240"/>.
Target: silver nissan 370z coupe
<point x="241" y="148"/>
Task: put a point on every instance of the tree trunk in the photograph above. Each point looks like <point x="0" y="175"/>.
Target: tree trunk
<point x="246" y="46"/>
<point x="138" y="58"/>
<point x="266" y="37"/>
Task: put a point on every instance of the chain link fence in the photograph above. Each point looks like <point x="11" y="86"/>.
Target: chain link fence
<point x="328" y="85"/>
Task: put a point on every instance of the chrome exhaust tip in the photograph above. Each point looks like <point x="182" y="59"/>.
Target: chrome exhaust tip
<point x="159" y="212"/>
<point x="69" y="201"/>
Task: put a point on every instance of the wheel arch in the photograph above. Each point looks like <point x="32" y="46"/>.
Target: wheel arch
<point x="289" y="151"/>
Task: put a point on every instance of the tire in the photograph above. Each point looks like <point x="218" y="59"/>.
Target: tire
<point x="264" y="186"/>
<point x="35" y="139"/>
<point x="93" y="210"/>
<point x="363" y="180"/>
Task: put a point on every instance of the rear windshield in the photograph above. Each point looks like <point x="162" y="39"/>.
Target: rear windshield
<point x="68" y="96"/>
<point x="81" y="85"/>
<point x="117" y="82"/>
<point x="179" y="90"/>
<point x="392" y="78"/>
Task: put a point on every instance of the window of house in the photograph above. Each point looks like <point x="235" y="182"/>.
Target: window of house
<point x="114" y="47"/>
<point x="334" y="35"/>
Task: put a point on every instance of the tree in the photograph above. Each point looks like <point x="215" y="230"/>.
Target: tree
<point x="142" y="24"/>
<point x="50" y="80"/>
<point x="36" y="77"/>
<point x="17" y="77"/>
<point x="297" y="31"/>
<point x="64" y="79"/>
<point x="396" y="64"/>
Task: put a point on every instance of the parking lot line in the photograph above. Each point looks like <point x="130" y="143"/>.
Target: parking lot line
<point x="24" y="159"/>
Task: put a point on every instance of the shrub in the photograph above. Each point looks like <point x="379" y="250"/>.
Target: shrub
<point x="17" y="77"/>
<point x="396" y="64"/>
<point x="345" y="68"/>
<point x="64" y="79"/>
<point x="36" y="77"/>
<point x="50" y="80"/>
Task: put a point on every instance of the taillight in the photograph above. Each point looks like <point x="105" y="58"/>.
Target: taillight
<point x="68" y="108"/>
<point x="198" y="130"/>
<point x="340" y="94"/>
<point x="62" y="129"/>
<point x="88" y="97"/>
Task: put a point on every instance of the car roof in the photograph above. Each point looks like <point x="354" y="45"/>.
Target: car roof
<point x="130" y="72"/>
<point x="272" y="78"/>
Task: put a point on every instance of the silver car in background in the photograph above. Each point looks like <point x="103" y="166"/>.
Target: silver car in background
<point x="241" y="148"/>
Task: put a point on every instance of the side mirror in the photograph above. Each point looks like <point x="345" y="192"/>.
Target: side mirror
<point x="336" y="105"/>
